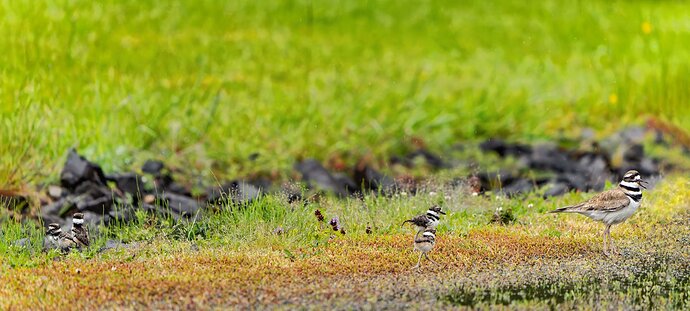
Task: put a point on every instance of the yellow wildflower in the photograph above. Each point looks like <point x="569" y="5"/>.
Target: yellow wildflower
<point x="646" y="28"/>
<point x="613" y="98"/>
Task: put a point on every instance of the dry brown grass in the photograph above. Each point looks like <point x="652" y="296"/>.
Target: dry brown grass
<point x="215" y="276"/>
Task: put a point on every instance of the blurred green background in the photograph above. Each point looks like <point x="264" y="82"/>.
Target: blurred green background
<point x="204" y="84"/>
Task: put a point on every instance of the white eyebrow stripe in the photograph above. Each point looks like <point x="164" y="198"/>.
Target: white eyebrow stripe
<point x="629" y="184"/>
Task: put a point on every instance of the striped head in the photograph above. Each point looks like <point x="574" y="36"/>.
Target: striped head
<point x="435" y="212"/>
<point x="631" y="184"/>
<point x="53" y="230"/>
<point x="632" y="179"/>
<point x="77" y="219"/>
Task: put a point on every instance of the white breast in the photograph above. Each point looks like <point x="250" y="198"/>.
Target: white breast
<point x="621" y="215"/>
<point x="424" y="247"/>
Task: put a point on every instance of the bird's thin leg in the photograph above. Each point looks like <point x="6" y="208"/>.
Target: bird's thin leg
<point x="614" y="250"/>
<point x="606" y="236"/>
<point x="427" y="257"/>
<point x="418" y="262"/>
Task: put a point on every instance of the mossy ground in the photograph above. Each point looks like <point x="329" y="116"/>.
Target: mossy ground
<point x="541" y="260"/>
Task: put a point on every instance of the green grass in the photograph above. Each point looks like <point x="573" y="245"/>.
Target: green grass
<point x="204" y="84"/>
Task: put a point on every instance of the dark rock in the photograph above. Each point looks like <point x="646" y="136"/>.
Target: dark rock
<point x="177" y="188"/>
<point x="236" y="192"/>
<point x="574" y="181"/>
<point x="150" y="208"/>
<point x="634" y="153"/>
<point x="503" y="148"/>
<point x="319" y="178"/>
<point x="494" y="179"/>
<point x="431" y="159"/>
<point x="596" y="171"/>
<point x="53" y="212"/>
<point x="243" y="193"/>
<point x="400" y="160"/>
<point x="129" y="183"/>
<point x="346" y="182"/>
<point x="521" y="185"/>
<point x="556" y="189"/>
<point x="77" y="170"/>
<point x="100" y="205"/>
<point x="649" y="167"/>
<point x="371" y="179"/>
<point x="122" y="213"/>
<point x="93" y="190"/>
<point x="95" y="219"/>
<point x="634" y="134"/>
<point x="153" y="167"/>
<point x="549" y="157"/>
<point x="25" y="242"/>
<point x="182" y="205"/>
<point x="263" y="184"/>
<point x="165" y="183"/>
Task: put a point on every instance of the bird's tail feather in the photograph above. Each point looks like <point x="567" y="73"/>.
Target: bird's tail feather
<point x="565" y="209"/>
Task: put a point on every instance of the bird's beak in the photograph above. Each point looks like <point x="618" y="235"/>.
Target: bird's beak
<point x="442" y="212"/>
<point x="643" y="184"/>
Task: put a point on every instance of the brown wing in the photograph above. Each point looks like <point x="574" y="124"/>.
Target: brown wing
<point x="66" y="241"/>
<point x="420" y="220"/>
<point x="81" y="237"/>
<point x="607" y="201"/>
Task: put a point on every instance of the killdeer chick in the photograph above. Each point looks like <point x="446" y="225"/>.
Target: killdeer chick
<point x="424" y="244"/>
<point x="613" y="206"/>
<point x="52" y="238"/>
<point x="80" y="234"/>
<point x="66" y="242"/>
<point x="428" y="220"/>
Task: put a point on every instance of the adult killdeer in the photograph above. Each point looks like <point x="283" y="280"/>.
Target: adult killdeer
<point x="52" y="238"/>
<point x="424" y="244"/>
<point x="428" y="220"/>
<point x="80" y="233"/>
<point x="613" y="206"/>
